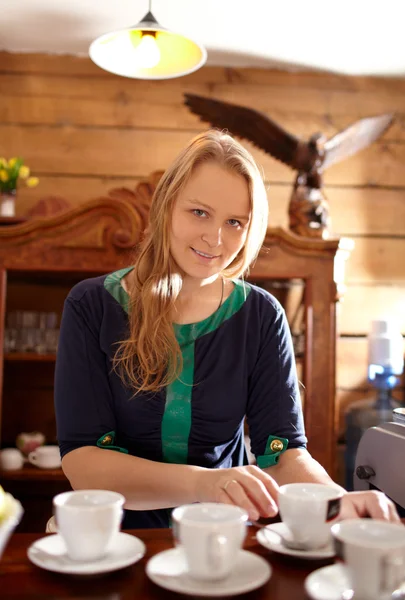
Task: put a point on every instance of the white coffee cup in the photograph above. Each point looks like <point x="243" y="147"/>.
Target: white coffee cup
<point x="309" y="510"/>
<point x="211" y="535"/>
<point x="88" y="521"/>
<point x="11" y="459"/>
<point x="374" y="553"/>
<point x="45" y="457"/>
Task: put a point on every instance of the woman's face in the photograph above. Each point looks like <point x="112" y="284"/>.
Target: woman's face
<point x="210" y="221"/>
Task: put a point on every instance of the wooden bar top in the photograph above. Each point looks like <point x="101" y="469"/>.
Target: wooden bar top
<point x="19" y="578"/>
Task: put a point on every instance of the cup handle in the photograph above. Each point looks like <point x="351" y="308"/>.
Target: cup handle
<point x="392" y="571"/>
<point x="32" y="457"/>
<point x="217" y="551"/>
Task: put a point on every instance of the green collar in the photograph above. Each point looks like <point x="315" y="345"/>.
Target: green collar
<point x="188" y="332"/>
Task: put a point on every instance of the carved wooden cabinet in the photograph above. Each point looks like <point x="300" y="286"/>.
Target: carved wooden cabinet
<point x="40" y="260"/>
<point x="319" y="264"/>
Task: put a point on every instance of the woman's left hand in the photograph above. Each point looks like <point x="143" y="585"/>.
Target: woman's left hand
<point x="368" y="504"/>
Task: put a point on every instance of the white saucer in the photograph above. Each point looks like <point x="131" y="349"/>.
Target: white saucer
<point x="50" y="553"/>
<point x="329" y="583"/>
<point x="168" y="569"/>
<point x="332" y="583"/>
<point x="268" y="538"/>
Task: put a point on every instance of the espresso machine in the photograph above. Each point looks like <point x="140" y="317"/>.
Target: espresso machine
<point x="380" y="460"/>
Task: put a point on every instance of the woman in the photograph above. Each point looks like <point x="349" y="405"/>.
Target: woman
<point x="159" y="364"/>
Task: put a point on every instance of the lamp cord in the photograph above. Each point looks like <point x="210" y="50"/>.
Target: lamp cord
<point x="150" y="5"/>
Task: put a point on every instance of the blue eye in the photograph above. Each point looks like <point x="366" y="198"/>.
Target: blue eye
<point x="234" y="223"/>
<point x="198" y="212"/>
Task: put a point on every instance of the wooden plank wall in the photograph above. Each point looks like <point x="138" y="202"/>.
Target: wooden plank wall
<point x="84" y="131"/>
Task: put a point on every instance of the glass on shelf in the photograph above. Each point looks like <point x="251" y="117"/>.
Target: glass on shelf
<point x="31" y="332"/>
<point x="10" y="340"/>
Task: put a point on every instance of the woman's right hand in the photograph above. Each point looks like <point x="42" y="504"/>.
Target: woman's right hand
<point x="248" y="487"/>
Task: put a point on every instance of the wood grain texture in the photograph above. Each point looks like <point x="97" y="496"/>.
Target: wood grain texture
<point x="137" y="152"/>
<point x="379" y="260"/>
<point x="38" y="99"/>
<point x="354" y="211"/>
<point x="353" y="362"/>
<point x="363" y="303"/>
<point x="76" y="66"/>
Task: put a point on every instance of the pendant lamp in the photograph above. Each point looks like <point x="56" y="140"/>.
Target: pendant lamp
<point x="147" y="51"/>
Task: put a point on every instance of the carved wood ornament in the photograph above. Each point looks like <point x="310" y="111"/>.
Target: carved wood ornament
<point x="308" y="210"/>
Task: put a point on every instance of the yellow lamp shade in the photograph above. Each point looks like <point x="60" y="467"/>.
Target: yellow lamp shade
<point x="147" y="51"/>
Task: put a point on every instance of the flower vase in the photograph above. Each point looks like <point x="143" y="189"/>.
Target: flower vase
<point x="7" y="204"/>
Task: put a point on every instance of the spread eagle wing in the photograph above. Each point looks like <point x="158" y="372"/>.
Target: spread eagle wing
<point x="251" y="125"/>
<point x="354" y="138"/>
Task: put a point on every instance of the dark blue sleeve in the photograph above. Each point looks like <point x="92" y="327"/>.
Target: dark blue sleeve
<point x="83" y="400"/>
<point x="274" y="405"/>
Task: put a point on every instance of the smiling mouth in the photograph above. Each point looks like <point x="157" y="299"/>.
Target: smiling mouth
<point x="204" y="254"/>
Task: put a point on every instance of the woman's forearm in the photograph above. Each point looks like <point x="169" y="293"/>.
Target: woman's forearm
<point x="298" y="466"/>
<point x="146" y="484"/>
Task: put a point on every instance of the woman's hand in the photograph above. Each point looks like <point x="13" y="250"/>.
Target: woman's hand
<point x="248" y="487"/>
<point x="368" y="504"/>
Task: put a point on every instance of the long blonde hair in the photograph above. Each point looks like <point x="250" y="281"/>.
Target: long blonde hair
<point x="150" y="357"/>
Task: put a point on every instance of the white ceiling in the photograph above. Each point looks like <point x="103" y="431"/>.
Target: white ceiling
<point x="343" y="36"/>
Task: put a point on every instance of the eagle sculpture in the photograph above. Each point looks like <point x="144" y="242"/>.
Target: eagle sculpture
<point x="308" y="209"/>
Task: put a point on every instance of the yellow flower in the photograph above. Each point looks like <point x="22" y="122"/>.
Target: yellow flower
<point x="24" y="172"/>
<point x="7" y="505"/>
<point x="12" y="162"/>
<point x="3" y="163"/>
<point x="32" y="181"/>
<point x="3" y="175"/>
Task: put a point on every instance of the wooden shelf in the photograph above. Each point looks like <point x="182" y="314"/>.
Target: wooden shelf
<point x="11" y="221"/>
<point x="29" y="357"/>
<point x="66" y="278"/>
<point x="31" y="473"/>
